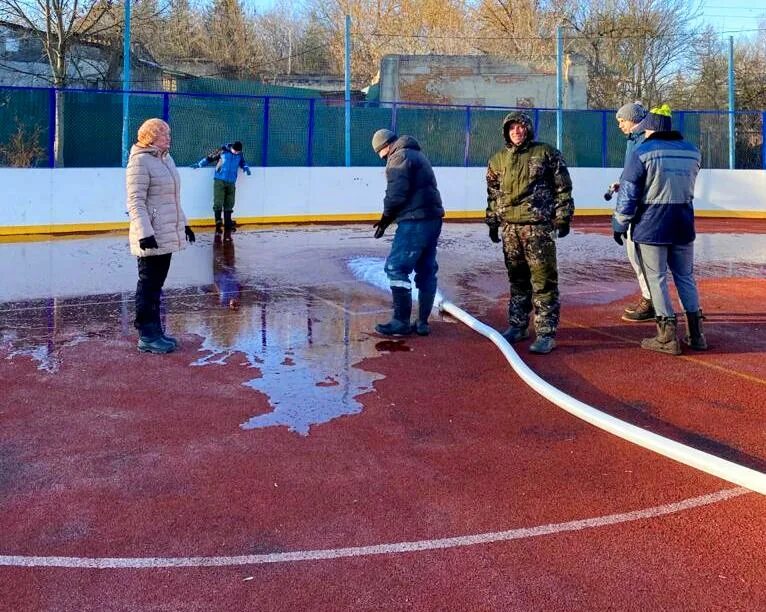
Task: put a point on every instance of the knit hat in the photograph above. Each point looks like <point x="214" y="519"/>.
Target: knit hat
<point x="657" y="120"/>
<point x="381" y="138"/>
<point x="633" y="112"/>
<point x="149" y="130"/>
<point x="236" y="146"/>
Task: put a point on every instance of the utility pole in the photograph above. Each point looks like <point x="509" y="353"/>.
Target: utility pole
<point x="126" y="86"/>
<point x="732" y="124"/>
<point x="348" y="90"/>
<point x="559" y="87"/>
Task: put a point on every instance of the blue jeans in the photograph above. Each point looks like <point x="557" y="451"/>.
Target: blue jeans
<point x="679" y="258"/>
<point x="414" y="248"/>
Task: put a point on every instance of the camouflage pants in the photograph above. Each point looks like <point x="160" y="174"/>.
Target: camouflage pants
<point x="530" y="257"/>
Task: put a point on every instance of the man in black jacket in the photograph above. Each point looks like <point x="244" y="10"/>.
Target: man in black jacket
<point x="413" y="201"/>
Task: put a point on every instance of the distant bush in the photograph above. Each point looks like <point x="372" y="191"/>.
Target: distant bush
<point x="23" y="149"/>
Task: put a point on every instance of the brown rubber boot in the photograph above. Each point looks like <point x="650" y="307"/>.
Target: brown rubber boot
<point x="665" y="341"/>
<point x="695" y="338"/>
<point x="642" y="311"/>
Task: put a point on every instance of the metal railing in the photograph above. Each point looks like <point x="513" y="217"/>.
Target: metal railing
<point x="282" y="131"/>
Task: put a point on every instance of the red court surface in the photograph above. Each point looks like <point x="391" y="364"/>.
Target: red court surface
<point x="285" y="458"/>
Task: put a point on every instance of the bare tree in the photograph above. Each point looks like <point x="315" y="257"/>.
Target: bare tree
<point x="380" y="27"/>
<point x="521" y="29"/>
<point x="635" y="48"/>
<point x="58" y="24"/>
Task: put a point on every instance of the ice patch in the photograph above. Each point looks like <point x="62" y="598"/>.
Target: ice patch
<point x="371" y="271"/>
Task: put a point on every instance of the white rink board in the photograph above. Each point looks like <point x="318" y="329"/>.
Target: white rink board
<point x="82" y="196"/>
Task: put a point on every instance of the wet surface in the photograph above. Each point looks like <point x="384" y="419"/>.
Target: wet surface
<point x="290" y="311"/>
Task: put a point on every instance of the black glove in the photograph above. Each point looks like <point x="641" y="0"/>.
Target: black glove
<point x="562" y="229"/>
<point x="381" y="225"/>
<point x="618" y="236"/>
<point x="150" y="242"/>
<point x="494" y="231"/>
<point x="190" y="234"/>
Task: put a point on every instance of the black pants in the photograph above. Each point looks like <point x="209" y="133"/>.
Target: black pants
<point x="152" y="272"/>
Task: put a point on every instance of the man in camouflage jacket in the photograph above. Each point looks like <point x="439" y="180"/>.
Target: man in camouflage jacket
<point x="529" y="199"/>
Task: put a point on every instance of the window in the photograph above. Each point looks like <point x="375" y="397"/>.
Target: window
<point x="11" y="45"/>
<point x="169" y="82"/>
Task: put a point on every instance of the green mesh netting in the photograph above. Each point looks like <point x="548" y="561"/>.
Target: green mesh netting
<point x="310" y="130"/>
<point x="24" y="112"/>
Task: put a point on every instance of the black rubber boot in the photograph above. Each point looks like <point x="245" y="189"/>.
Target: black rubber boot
<point x="229" y="223"/>
<point x="399" y="325"/>
<point x="665" y="341"/>
<point x="171" y="339"/>
<point x="218" y="221"/>
<point x="151" y="340"/>
<point x="229" y="226"/>
<point x="516" y="334"/>
<point x="425" y="305"/>
<point x="696" y="337"/>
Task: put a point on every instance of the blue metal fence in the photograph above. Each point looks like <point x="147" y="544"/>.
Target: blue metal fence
<point x="282" y="131"/>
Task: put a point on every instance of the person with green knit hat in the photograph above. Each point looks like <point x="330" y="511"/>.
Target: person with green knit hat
<point x="655" y="201"/>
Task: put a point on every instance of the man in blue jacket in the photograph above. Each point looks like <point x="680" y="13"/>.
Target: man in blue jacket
<point x="228" y="160"/>
<point x="655" y="202"/>
<point x="413" y="201"/>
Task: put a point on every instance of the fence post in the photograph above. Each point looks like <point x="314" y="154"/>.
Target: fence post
<point x="763" y="140"/>
<point x="347" y="92"/>
<point x="467" y="150"/>
<point x="732" y="118"/>
<point x="265" y="142"/>
<point x="393" y="117"/>
<point x="166" y="108"/>
<point x="51" y="127"/>
<point x="604" y="147"/>
<point x="310" y="144"/>
<point x="559" y="88"/>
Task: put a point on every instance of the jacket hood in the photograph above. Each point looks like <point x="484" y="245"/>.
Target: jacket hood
<point x="404" y="142"/>
<point x="518" y="117"/>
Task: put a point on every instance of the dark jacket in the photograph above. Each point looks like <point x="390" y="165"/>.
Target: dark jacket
<point x="528" y="184"/>
<point x="657" y="191"/>
<point x="411" y="191"/>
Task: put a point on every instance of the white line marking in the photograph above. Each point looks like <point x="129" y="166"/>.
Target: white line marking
<point x="379" y="549"/>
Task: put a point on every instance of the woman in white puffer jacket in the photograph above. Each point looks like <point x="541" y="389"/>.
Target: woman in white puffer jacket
<point x="158" y="227"/>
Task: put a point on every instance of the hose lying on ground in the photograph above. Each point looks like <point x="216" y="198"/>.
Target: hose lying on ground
<point x="710" y="464"/>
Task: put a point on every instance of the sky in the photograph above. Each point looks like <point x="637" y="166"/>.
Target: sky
<point x="725" y="15"/>
<point x="729" y="15"/>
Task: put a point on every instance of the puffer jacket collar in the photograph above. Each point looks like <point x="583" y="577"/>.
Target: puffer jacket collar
<point x="150" y="150"/>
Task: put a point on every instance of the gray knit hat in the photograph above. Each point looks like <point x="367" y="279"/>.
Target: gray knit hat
<point x="381" y="138"/>
<point x="633" y="111"/>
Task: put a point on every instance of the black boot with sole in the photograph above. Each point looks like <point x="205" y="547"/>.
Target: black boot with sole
<point x="695" y="338"/>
